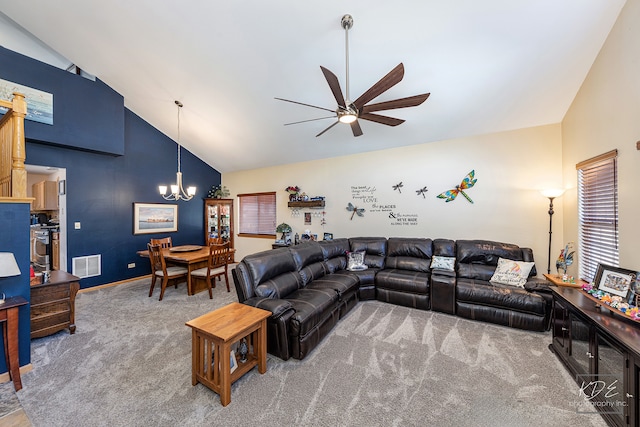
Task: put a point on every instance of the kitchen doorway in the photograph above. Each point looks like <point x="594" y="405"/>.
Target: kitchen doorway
<point x="49" y="213"/>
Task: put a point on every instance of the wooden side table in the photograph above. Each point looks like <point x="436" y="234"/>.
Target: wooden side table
<point x="557" y="280"/>
<point x="9" y="318"/>
<point x="212" y="337"/>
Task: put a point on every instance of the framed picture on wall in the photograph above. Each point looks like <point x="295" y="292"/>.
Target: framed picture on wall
<point x="154" y="218"/>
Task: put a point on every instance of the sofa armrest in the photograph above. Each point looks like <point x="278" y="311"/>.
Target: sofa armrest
<point x="442" y="272"/>
<point x="277" y="307"/>
<point x="277" y="325"/>
<point x="443" y="290"/>
<point x="538" y="285"/>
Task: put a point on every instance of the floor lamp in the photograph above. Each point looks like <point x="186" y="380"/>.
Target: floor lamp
<point x="551" y="194"/>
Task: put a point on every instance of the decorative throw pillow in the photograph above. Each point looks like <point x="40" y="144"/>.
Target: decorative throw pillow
<point x="355" y="261"/>
<point x="443" y="262"/>
<point x="513" y="273"/>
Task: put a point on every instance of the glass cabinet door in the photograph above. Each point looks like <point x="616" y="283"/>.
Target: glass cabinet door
<point x="213" y="221"/>
<point x="580" y="355"/>
<point x="560" y="327"/>
<point x="610" y="379"/>
<point x="218" y="220"/>
<point x="225" y="222"/>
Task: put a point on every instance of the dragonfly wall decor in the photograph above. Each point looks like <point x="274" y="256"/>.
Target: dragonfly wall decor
<point x="398" y="186"/>
<point x="468" y="182"/>
<point x="422" y="191"/>
<point x="355" y="210"/>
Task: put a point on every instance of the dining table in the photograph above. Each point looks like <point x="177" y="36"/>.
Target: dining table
<point x="192" y="257"/>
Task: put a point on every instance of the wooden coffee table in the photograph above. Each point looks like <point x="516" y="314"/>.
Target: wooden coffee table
<point x="214" y="333"/>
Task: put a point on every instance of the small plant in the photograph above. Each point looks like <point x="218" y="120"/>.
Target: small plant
<point x="218" y="192"/>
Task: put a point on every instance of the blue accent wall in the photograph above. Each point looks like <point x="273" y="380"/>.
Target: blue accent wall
<point x="101" y="190"/>
<point x="86" y="114"/>
<point x="113" y="159"/>
<point x="14" y="237"/>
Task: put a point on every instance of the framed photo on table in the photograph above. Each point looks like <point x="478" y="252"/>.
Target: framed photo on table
<point x="614" y="280"/>
<point x="154" y="218"/>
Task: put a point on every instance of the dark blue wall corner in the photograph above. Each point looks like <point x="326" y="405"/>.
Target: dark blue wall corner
<point x="15" y="238"/>
<point x="102" y="189"/>
<point x="87" y="114"/>
<point x="113" y="159"/>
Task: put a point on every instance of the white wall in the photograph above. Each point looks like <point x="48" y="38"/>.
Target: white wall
<point x="606" y="115"/>
<point x="511" y="169"/>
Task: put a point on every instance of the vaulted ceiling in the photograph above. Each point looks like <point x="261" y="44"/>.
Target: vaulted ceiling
<point x="490" y="65"/>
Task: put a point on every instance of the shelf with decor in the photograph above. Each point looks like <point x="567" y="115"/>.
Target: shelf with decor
<point x="307" y="204"/>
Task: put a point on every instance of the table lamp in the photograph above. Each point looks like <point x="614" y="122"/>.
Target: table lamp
<point x="8" y="268"/>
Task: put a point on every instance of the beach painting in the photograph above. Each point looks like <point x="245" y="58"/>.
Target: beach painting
<point x="154" y="218"/>
<point x="39" y="103"/>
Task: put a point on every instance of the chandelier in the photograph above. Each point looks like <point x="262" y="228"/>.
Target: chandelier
<point x="177" y="192"/>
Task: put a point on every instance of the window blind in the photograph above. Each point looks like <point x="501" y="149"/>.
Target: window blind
<point x="258" y="214"/>
<point x="598" y="213"/>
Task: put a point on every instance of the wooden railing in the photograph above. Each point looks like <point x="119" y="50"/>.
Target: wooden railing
<point x="13" y="176"/>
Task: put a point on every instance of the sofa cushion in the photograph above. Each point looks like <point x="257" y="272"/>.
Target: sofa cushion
<point x="484" y="293"/>
<point x="444" y="247"/>
<point x="375" y="249"/>
<point x="309" y="259"/>
<point x="311" y="307"/>
<point x="513" y="273"/>
<point x="403" y="280"/>
<point x="279" y="287"/>
<point x="409" y="254"/>
<point x="341" y="283"/>
<point x="486" y="252"/>
<point x="266" y="265"/>
<point x="334" y="254"/>
<point x="334" y="248"/>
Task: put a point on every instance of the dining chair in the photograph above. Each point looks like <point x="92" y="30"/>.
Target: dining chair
<point x="215" y="241"/>
<point x="217" y="266"/>
<point x="164" y="242"/>
<point x="160" y="270"/>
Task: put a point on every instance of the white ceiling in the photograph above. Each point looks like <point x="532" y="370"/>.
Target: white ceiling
<point x="490" y="65"/>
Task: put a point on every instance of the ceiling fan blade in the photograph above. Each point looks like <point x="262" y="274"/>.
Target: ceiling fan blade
<point x="356" y="129"/>
<point x="327" y="128"/>
<point x="334" y="85"/>
<point x="307" y="105"/>
<point x="387" y="82"/>
<point x="310" y="120"/>
<point x="410" y="101"/>
<point x="385" y="120"/>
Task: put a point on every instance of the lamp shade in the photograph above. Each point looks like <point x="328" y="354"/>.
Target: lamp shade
<point x="8" y="265"/>
<point x="552" y="193"/>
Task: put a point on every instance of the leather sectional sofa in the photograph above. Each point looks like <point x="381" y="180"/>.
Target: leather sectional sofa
<point x="308" y="287"/>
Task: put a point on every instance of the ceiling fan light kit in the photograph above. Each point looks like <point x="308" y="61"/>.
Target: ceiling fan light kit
<point x="349" y="112"/>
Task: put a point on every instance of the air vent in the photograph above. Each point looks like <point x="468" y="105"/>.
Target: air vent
<point x="87" y="266"/>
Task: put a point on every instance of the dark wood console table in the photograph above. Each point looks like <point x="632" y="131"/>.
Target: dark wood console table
<point x="9" y="320"/>
<point x="53" y="304"/>
<point x="602" y="351"/>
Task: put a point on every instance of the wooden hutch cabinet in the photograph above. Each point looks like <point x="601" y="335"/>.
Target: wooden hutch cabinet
<point x="602" y="352"/>
<point x="218" y="219"/>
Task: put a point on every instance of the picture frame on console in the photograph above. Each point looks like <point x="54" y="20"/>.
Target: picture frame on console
<point x="614" y="280"/>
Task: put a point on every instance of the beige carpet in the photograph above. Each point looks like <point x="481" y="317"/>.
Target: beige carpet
<point x="129" y="364"/>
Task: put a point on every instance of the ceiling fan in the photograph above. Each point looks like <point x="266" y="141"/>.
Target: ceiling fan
<point x="349" y="112"/>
